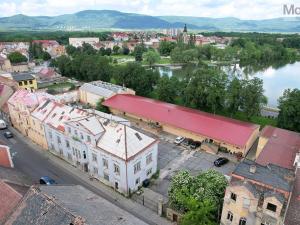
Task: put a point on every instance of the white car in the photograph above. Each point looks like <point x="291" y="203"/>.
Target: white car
<point x="2" y="124"/>
<point x="178" y="140"/>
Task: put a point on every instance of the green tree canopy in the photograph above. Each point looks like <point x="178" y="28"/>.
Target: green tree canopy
<point x="289" y="106"/>
<point x="151" y="57"/>
<point x="17" y="57"/>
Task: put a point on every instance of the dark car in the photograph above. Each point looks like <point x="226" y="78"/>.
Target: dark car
<point x="187" y="142"/>
<point x="220" y="161"/>
<point x="195" y="144"/>
<point x="146" y="183"/>
<point x="47" y="180"/>
<point x="8" y="134"/>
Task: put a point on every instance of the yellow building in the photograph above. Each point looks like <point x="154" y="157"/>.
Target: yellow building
<point x="20" y="106"/>
<point x="25" y="81"/>
<point x="257" y="195"/>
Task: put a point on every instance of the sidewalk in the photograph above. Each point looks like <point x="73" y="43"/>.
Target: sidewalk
<point x="114" y="197"/>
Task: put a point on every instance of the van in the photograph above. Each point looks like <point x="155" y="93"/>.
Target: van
<point x="2" y="124"/>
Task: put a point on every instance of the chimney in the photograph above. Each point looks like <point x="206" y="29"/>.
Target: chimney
<point x="252" y="169"/>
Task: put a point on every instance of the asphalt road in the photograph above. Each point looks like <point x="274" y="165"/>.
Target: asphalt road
<point x="35" y="164"/>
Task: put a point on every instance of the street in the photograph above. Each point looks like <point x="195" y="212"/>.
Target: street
<point x="35" y="164"/>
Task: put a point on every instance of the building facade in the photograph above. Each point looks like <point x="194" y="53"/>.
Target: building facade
<point x="25" y="81"/>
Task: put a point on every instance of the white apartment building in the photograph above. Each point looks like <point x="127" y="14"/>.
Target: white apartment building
<point x="77" y="42"/>
<point x="110" y="151"/>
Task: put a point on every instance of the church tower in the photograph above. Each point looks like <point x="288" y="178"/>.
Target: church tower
<point x="185" y="35"/>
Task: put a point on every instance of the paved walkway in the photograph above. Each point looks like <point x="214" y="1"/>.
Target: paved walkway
<point x="125" y="203"/>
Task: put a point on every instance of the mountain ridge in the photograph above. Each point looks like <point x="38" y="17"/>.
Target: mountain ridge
<point x="112" y="19"/>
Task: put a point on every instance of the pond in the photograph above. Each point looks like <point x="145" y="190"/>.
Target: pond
<point x="276" y="80"/>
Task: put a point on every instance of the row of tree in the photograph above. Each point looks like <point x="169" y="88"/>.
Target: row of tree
<point x="36" y="51"/>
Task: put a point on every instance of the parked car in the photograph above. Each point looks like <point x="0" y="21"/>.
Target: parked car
<point x="195" y="144"/>
<point x="8" y="134"/>
<point x="187" y="142"/>
<point x="146" y="183"/>
<point x="2" y="125"/>
<point x="179" y="140"/>
<point x="45" y="180"/>
<point x="220" y="161"/>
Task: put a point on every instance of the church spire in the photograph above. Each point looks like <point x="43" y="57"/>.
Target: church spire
<point x="185" y="29"/>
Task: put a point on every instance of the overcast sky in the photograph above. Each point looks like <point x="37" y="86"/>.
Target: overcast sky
<point x="244" y="9"/>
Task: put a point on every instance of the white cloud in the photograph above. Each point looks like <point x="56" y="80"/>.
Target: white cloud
<point x="245" y="9"/>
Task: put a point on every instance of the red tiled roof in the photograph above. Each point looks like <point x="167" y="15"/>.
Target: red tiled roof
<point x="5" y="159"/>
<point x="220" y="128"/>
<point x="281" y="147"/>
<point x="9" y="199"/>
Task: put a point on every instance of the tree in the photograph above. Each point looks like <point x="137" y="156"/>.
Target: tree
<point x="100" y="107"/>
<point x="108" y="51"/>
<point x="71" y="50"/>
<point x="234" y="91"/>
<point x="126" y="50"/>
<point x="167" y="88"/>
<point x="138" y="53"/>
<point x="289" y="106"/>
<point x="17" y="57"/>
<point x="198" y="197"/>
<point x="151" y="57"/>
<point x="165" y="47"/>
<point x="46" y="56"/>
<point x="116" y="49"/>
<point x="252" y="97"/>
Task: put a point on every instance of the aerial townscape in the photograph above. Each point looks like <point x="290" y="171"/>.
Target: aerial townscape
<point x="167" y="113"/>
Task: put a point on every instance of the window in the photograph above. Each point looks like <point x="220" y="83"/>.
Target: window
<point x="84" y="155"/>
<point x="233" y="196"/>
<point x="105" y="163"/>
<point x="58" y="140"/>
<point x="149" y="172"/>
<point x="117" y="169"/>
<point x="137" y="181"/>
<point x="106" y="176"/>
<point x="20" y="83"/>
<point x="271" y="207"/>
<point x="25" y="82"/>
<point x="89" y="138"/>
<point x="137" y="167"/>
<point x="76" y="133"/>
<point x="243" y="221"/>
<point x="229" y="216"/>
<point x="246" y="203"/>
<point x="69" y="156"/>
<point x="69" y="130"/>
<point x="67" y="144"/>
<point x="30" y="82"/>
<point x="81" y="136"/>
<point x="94" y="157"/>
<point x="95" y="170"/>
<point x="149" y="158"/>
<point x="50" y="134"/>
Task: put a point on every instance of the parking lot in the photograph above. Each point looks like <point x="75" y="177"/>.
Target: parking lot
<point x="172" y="158"/>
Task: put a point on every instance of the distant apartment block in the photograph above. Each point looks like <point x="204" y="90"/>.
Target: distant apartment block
<point x="91" y="93"/>
<point x="77" y="42"/>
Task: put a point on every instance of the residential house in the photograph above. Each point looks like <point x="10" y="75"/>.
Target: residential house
<point x="52" y="47"/>
<point x="7" y="66"/>
<point x="25" y="81"/>
<point x="213" y="130"/>
<point x="120" y="36"/>
<point x="20" y="106"/>
<point x="77" y="42"/>
<point x="257" y="195"/>
<point x="91" y="93"/>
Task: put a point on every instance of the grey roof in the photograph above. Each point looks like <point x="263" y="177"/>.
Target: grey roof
<point x="102" y="88"/>
<point x="271" y="175"/>
<point x="23" y="76"/>
<point x="280" y="197"/>
<point x="37" y="208"/>
<point x="251" y="187"/>
<point x="93" y="208"/>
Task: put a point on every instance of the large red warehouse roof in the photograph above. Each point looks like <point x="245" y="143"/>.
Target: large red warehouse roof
<point x="220" y="128"/>
<point x="281" y="148"/>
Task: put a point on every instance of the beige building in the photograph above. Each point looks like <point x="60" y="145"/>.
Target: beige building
<point x="77" y="42"/>
<point x="20" y="106"/>
<point x="91" y="93"/>
<point x="232" y="135"/>
<point x="257" y="195"/>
